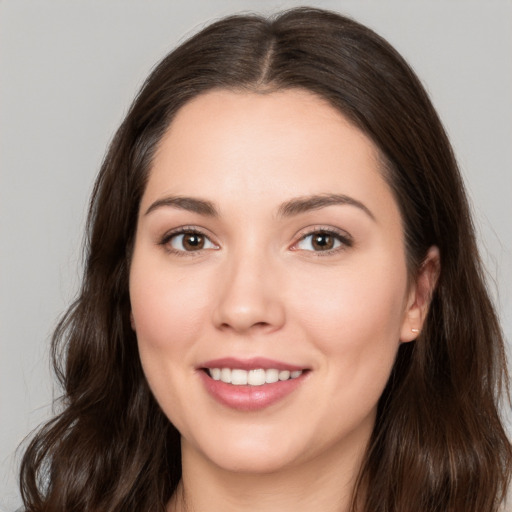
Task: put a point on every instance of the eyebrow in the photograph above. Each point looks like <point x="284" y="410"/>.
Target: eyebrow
<point x="290" y="208"/>
<point x="191" y="204"/>
<point x="305" y="204"/>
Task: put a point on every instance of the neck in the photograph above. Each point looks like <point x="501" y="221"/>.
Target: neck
<point x="325" y="483"/>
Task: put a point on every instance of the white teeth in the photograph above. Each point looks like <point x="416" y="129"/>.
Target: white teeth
<point x="284" y="375"/>
<point x="256" y="377"/>
<point x="238" y="377"/>
<point x="271" y="376"/>
<point x="225" y="375"/>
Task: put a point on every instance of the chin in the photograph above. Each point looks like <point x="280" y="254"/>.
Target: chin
<point x="256" y="464"/>
<point x="250" y="454"/>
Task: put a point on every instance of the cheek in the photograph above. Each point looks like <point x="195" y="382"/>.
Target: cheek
<point x="355" y="325"/>
<point x="167" y="308"/>
<point x="355" y="320"/>
<point x="169" y="316"/>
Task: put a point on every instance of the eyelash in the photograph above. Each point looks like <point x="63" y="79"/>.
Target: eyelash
<point x="342" y="237"/>
<point x="184" y="230"/>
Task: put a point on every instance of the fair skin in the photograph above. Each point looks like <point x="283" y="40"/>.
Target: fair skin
<point x="289" y="247"/>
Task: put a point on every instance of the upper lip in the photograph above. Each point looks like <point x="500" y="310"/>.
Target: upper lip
<point x="252" y="363"/>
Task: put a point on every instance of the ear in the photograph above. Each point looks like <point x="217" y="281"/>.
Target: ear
<point x="420" y="295"/>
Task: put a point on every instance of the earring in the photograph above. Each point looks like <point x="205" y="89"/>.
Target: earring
<point x="415" y="331"/>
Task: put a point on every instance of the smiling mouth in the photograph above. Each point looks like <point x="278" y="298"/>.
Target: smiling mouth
<point x="256" y="377"/>
<point x="249" y="385"/>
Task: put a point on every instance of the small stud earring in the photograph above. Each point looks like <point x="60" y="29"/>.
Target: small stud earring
<point x="415" y="331"/>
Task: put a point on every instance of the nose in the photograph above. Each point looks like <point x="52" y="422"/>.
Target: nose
<point x="249" y="297"/>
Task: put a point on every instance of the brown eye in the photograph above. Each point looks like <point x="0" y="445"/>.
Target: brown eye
<point x="323" y="241"/>
<point x="190" y="241"/>
<point x="193" y="242"/>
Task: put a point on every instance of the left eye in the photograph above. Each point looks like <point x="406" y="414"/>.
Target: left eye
<point x="320" y="241"/>
<point x="190" y="241"/>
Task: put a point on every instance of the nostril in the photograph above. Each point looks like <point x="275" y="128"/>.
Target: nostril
<point x="260" y="324"/>
<point x="236" y="325"/>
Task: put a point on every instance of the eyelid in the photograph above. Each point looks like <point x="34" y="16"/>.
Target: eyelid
<point x="344" y="237"/>
<point x="181" y="230"/>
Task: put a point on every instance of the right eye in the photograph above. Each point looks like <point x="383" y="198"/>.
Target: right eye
<point x="321" y="241"/>
<point x="189" y="241"/>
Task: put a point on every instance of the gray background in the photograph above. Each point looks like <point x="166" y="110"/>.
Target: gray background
<point x="68" y="72"/>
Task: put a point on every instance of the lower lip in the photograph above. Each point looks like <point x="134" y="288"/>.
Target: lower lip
<point x="250" y="398"/>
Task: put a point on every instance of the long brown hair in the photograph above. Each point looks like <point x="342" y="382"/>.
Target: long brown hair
<point x="438" y="443"/>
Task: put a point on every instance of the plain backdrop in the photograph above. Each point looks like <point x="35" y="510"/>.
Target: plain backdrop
<point x="68" y="72"/>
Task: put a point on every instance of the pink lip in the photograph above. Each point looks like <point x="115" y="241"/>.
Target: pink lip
<point x="250" y="364"/>
<point x="249" y="398"/>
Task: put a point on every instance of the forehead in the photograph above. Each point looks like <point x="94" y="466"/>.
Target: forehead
<point x="228" y="145"/>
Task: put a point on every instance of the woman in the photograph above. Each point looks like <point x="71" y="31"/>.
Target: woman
<point x="283" y="305"/>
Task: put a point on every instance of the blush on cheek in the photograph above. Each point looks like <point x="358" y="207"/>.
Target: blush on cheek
<point x="358" y="326"/>
<point x="155" y="310"/>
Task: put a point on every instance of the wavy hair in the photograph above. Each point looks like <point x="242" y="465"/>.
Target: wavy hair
<point x="438" y="443"/>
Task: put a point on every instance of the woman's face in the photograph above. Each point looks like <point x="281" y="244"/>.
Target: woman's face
<point x="268" y="246"/>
